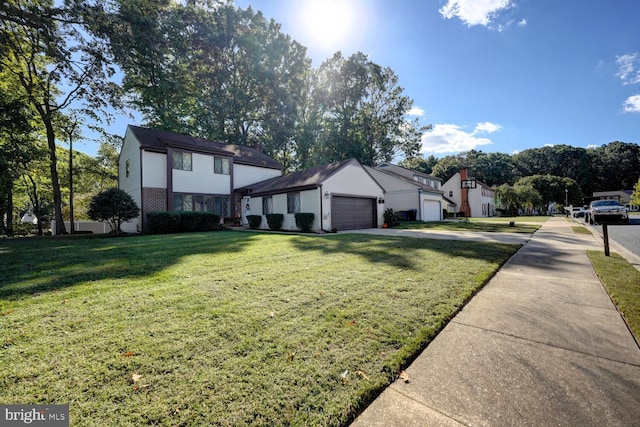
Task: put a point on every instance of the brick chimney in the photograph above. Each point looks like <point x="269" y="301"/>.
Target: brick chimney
<point x="465" y="207"/>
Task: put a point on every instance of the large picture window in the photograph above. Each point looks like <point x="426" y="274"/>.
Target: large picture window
<point x="182" y="161"/>
<point x="219" y="205"/>
<point x="293" y="202"/>
<point x="221" y="165"/>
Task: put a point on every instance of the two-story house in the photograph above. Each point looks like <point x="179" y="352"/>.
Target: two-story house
<point x="165" y="171"/>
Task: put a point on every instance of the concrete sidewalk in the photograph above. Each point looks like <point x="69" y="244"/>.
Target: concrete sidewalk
<point x="542" y="344"/>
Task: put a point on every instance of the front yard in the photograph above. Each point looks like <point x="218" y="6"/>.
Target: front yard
<point x="226" y="328"/>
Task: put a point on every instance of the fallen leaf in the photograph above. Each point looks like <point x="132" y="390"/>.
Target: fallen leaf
<point x="317" y="354"/>
<point x="290" y="355"/>
<point x="271" y="314"/>
<point x="351" y="323"/>
<point x="128" y="354"/>
<point x="321" y="293"/>
<point x="404" y="376"/>
<point x="6" y="313"/>
<point x="363" y="375"/>
<point x="135" y="378"/>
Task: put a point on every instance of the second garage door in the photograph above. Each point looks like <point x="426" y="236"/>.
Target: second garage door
<point x="431" y="210"/>
<point x="352" y="213"/>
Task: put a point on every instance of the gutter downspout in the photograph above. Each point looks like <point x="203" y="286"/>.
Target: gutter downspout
<point x="321" y="213"/>
<point x="419" y="204"/>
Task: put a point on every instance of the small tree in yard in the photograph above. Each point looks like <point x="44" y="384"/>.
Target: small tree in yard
<point x="114" y="206"/>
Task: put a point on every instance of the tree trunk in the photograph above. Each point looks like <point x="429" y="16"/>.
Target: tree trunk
<point x="55" y="182"/>
<point x="72" y="227"/>
<point x="9" y="228"/>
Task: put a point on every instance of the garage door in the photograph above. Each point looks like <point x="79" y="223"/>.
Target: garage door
<point x="352" y="213"/>
<point x="430" y="210"/>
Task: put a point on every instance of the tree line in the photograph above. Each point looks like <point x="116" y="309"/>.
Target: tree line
<point x="209" y="69"/>
<point x="550" y="169"/>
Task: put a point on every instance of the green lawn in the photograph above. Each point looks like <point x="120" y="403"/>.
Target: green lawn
<point x="622" y="282"/>
<point x="497" y="224"/>
<point x="224" y="328"/>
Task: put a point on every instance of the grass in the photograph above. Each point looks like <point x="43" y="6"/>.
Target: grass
<point x="622" y="282"/>
<point x="226" y="328"/>
<point x="497" y="225"/>
<point x="580" y="230"/>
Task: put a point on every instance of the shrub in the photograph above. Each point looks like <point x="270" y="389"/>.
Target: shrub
<point x="163" y="222"/>
<point x="275" y="221"/>
<point x="392" y="218"/>
<point x="254" y="221"/>
<point x="113" y="205"/>
<point x="304" y="221"/>
<point x="180" y="222"/>
<point x="445" y="214"/>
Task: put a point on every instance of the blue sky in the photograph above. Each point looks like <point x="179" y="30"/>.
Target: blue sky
<point x="491" y="75"/>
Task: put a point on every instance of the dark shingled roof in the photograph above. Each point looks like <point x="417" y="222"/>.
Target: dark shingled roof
<point x="158" y="140"/>
<point x="297" y="181"/>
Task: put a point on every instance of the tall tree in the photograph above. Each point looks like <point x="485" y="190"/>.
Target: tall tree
<point x="419" y="164"/>
<point x="17" y="146"/>
<point x="45" y="47"/>
<point x="364" y="111"/>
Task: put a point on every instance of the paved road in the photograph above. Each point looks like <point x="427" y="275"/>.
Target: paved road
<point x="625" y="238"/>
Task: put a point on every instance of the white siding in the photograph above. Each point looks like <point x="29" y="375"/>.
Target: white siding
<point x="352" y="180"/>
<point x="401" y="200"/>
<point x="245" y="175"/>
<point x="201" y="178"/>
<point x="154" y="166"/>
<point x="453" y="185"/>
<point x="130" y="153"/>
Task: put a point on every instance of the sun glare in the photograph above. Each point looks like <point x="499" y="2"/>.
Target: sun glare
<point x="326" y="24"/>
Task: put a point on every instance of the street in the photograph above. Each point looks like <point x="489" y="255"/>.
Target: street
<point x="626" y="235"/>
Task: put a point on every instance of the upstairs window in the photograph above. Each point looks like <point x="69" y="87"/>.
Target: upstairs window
<point x="127" y="167"/>
<point x="182" y="161"/>
<point x="221" y="165"/>
<point x="293" y="202"/>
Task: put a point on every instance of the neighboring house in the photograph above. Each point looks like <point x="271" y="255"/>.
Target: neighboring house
<point x="165" y="171"/>
<point x="623" y="196"/>
<point x="472" y="202"/>
<point x="406" y="190"/>
<point x="341" y="195"/>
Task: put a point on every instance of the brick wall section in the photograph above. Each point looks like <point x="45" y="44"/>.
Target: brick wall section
<point x="153" y="199"/>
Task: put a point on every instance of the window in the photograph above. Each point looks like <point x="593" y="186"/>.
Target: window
<point x="450" y="193"/>
<point x="182" y="160"/>
<point x="267" y="205"/>
<point x="177" y="202"/>
<point x="220" y="205"/>
<point x="127" y="167"/>
<point x="221" y="165"/>
<point x="293" y="202"/>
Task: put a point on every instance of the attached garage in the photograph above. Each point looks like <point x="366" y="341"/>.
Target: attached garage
<point x="353" y="213"/>
<point x="431" y="210"/>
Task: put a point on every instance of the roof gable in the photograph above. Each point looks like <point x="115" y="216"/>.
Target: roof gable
<point x="158" y="140"/>
<point x="407" y="173"/>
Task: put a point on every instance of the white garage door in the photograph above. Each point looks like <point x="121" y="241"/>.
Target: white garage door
<point x="431" y="210"/>
<point x="353" y="213"/>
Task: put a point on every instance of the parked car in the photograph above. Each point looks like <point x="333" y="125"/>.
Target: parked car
<point x="606" y="211"/>
<point x="579" y="212"/>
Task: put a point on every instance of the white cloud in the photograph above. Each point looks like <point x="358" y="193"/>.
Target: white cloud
<point x="450" y="138"/>
<point x="522" y="23"/>
<point x="629" y="71"/>
<point x="416" y="111"/>
<point x="475" y="12"/>
<point x="487" y="127"/>
<point x="632" y="104"/>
